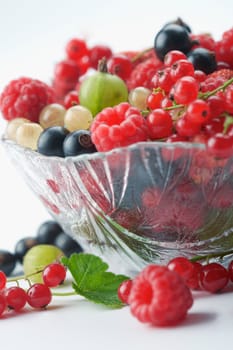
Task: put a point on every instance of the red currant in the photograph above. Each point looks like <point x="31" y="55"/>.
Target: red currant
<point x="3" y="304"/>
<point x="154" y="100"/>
<point x="159" y="123"/>
<point x="193" y="281"/>
<point x="198" y="111"/>
<point x="97" y="53"/>
<point x="182" y="68"/>
<point x="71" y="99"/>
<point x="54" y="274"/>
<point x="39" y="295"/>
<point x="213" y="277"/>
<point x="186" y="128"/>
<point x="173" y="56"/>
<point x="220" y="145"/>
<point x="230" y="271"/>
<point x="124" y="291"/>
<point x="182" y="266"/>
<point x="3" y="280"/>
<point x="16" y="298"/>
<point x="120" y="65"/>
<point x="185" y="90"/>
<point x="76" y="48"/>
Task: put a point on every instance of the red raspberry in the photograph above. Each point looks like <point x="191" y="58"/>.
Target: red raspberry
<point x="159" y="296"/>
<point x="203" y="40"/>
<point x="119" y="126"/>
<point x="25" y="98"/>
<point x="143" y="73"/>
<point x="216" y="79"/>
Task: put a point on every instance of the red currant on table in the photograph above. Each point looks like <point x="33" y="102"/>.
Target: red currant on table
<point x="124" y="291"/>
<point x="213" y="277"/>
<point x="16" y="298"/>
<point x="3" y="304"/>
<point x="39" y="295"/>
<point x="54" y="274"/>
<point x="3" y="280"/>
<point x="182" y="266"/>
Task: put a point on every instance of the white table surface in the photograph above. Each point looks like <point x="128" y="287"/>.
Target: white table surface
<point x="32" y="38"/>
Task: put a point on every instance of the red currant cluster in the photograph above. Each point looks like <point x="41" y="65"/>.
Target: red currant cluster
<point x="38" y="295"/>
<point x="79" y="58"/>
<point x="161" y="295"/>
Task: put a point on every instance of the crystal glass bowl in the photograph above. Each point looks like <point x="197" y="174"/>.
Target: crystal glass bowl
<point x="144" y="203"/>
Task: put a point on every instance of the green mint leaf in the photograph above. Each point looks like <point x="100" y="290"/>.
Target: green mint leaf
<point x="92" y="280"/>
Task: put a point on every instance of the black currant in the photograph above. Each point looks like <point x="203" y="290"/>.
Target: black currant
<point x="50" y="142"/>
<point x="172" y="37"/>
<point x="203" y="59"/>
<point x="67" y="244"/>
<point x="23" y="245"/>
<point x="48" y="231"/>
<point x="7" y="262"/>
<point x="78" y="142"/>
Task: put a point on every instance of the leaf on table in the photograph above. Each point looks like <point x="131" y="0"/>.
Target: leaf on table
<point x="92" y="280"/>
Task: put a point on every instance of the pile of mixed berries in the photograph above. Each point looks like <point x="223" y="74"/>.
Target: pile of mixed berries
<point x="179" y="90"/>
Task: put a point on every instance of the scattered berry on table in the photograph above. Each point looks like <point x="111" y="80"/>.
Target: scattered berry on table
<point x="159" y="296"/>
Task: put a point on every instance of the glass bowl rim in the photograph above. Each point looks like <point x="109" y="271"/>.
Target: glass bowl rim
<point x="186" y="145"/>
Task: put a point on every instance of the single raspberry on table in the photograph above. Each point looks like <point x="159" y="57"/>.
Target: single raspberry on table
<point x="159" y="296"/>
<point x="25" y="98"/>
<point x="118" y="126"/>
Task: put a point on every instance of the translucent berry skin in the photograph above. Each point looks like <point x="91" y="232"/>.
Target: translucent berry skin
<point x="120" y="65"/>
<point x="159" y="123"/>
<point x="16" y="298"/>
<point x="76" y="48"/>
<point x="198" y="111"/>
<point x="213" y="277"/>
<point x="124" y="291"/>
<point x="39" y="295"/>
<point x="3" y="280"/>
<point x="220" y="145"/>
<point x="54" y="275"/>
<point x="97" y="52"/>
<point x="185" y="90"/>
<point x="3" y="304"/>
<point x="159" y="296"/>
<point x="230" y="271"/>
<point x="182" y="266"/>
<point x="173" y="56"/>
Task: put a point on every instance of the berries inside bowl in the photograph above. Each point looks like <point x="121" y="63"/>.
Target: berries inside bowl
<point x="134" y="158"/>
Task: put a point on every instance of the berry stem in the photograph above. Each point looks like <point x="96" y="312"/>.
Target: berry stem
<point x="63" y="294"/>
<point x="102" y="65"/>
<point x="210" y="256"/>
<point x="140" y="54"/>
<point x="219" y="88"/>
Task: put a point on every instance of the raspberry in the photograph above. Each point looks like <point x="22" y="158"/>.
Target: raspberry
<point x="25" y="98"/>
<point x="159" y="296"/>
<point x="203" y="40"/>
<point x="119" y="126"/>
<point x="143" y="73"/>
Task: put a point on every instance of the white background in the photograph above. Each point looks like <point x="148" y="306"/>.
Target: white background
<point x="32" y="38"/>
